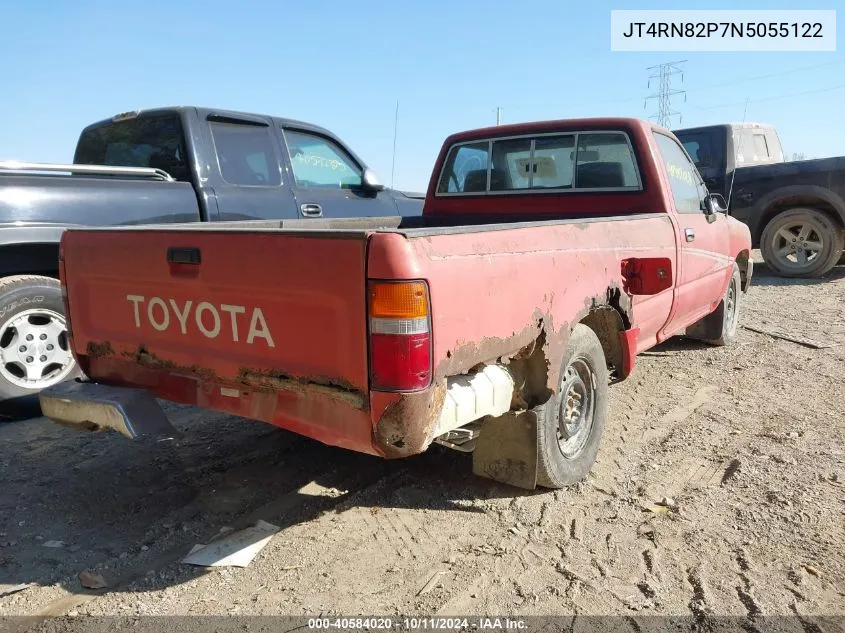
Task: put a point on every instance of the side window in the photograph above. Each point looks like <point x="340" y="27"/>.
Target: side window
<point x="465" y="169"/>
<point x="686" y="185"/>
<point x="245" y="154"/>
<point x="761" y="148"/>
<point x="147" y="141"/>
<point x="319" y="162"/>
<point x="700" y="150"/>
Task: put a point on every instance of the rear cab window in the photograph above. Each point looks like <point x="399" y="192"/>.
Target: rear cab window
<point x="579" y="162"/>
<point x="155" y="141"/>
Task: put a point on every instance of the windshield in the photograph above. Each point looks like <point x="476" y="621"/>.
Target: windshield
<point x="150" y="141"/>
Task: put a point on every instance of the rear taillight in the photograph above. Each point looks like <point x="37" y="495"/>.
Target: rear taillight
<point x="400" y="335"/>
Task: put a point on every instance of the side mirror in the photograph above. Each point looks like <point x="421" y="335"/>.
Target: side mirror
<point x="715" y="203"/>
<point x="370" y="182"/>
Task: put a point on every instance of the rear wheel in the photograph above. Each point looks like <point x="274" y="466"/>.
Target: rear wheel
<point x="34" y="349"/>
<point x="571" y="422"/>
<point x="801" y="243"/>
<point x="720" y="326"/>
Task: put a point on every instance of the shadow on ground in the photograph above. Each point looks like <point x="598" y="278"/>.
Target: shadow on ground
<point x="764" y="276"/>
<point x="75" y="501"/>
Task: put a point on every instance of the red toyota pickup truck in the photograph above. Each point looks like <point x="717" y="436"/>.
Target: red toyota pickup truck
<point x="547" y="257"/>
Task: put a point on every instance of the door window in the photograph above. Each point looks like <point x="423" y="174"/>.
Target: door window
<point x="245" y="154"/>
<point x="465" y="170"/>
<point x="318" y="162"/>
<point x="687" y="188"/>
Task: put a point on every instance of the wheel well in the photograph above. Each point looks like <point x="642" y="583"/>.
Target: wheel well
<point x="30" y="259"/>
<point x="792" y="202"/>
<point x="607" y="323"/>
<point x="742" y="263"/>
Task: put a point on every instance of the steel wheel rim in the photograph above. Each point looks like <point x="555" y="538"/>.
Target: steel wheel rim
<point x="576" y="408"/>
<point x="34" y="349"/>
<point x="798" y="244"/>
<point x="731" y="305"/>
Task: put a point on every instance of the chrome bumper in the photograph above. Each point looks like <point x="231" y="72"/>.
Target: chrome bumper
<point x="134" y="413"/>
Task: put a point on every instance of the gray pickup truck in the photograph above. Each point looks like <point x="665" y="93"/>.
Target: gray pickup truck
<point x="160" y="166"/>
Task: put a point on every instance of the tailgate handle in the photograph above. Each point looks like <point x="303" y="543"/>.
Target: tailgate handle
<point x="184" y="255"/>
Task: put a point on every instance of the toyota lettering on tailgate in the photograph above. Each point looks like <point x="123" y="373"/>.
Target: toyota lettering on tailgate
<point x="205" y="317"/>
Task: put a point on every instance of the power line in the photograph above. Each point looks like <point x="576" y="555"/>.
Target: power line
<point x="785" y="96"/>
<point x="768" y="76"/>
<point x="719" y="85"/>
<point x="663" y="73"/>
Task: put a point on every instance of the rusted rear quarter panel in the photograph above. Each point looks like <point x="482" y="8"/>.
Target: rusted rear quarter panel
<point x="494" y="293"/>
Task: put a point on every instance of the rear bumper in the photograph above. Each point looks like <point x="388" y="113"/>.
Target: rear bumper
<point x="134" y="413"/>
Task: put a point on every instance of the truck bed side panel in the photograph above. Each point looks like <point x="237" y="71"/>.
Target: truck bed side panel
<point x="504" y="283"/>
<point x="95" y="201"/>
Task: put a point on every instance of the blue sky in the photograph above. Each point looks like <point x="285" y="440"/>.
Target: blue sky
<point x="344" y="65"/>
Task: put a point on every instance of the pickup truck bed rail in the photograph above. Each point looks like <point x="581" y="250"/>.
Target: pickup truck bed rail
<point x="92" y="170"/>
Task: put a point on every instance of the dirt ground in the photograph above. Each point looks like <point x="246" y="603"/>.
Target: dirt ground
<point x="745" y="442"/>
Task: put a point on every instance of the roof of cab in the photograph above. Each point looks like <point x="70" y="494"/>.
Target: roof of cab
<point x="204" y="112"/>
<point x="555" y="125"/>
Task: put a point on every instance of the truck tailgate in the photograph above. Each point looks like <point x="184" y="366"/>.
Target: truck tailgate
<point x="233" y="306"/>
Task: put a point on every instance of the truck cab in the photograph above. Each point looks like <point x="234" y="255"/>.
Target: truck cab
<point x="242" y="166"/>
<point x="795" y="210"/>
<point x="717" y="150"/>
<point x="160" y="166"/>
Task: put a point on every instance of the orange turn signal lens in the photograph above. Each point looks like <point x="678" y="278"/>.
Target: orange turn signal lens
<point x="398" y="300"/>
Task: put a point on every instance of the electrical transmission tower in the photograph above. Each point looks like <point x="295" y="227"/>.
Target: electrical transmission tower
<point x="663" y="73"/>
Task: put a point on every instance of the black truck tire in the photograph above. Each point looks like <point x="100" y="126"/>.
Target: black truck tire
<point x="570" y="424"/>
<point x="34" y="352"/>
<point x="801" y="242"/>
<point x="720" y="327"/>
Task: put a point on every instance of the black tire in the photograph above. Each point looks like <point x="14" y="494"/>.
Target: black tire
<point x="784" y="232"/>
<point x="585" y="358"/>
<point x="32" y="306"/>
<point x="841" y="261"/>
<point x="720" y="327"/>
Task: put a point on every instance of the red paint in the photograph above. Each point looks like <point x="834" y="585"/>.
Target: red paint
<point x="400" y="362"/>
<point x="311" y="289"/>
<point x="628" y="342"/>
<point x="647" y="275"/>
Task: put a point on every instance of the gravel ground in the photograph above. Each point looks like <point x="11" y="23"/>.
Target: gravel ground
<point x="743" y="446"/>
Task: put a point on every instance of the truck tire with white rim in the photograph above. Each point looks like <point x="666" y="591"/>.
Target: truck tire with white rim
<point x="571" y="422"/>
<point x="802" y="242"/>
<point x="34" y="348"/>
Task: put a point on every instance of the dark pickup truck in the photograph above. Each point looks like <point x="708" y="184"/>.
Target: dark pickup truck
<point x="795" y="210"/>
<point x="160" y="166"/>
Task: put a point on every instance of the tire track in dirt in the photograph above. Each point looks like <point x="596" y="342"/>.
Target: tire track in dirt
<point x="352" y="477"/>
